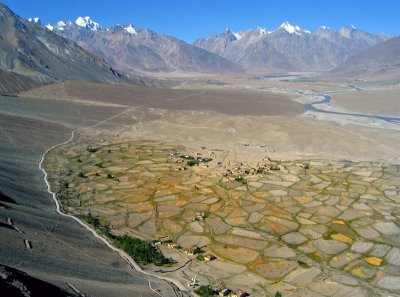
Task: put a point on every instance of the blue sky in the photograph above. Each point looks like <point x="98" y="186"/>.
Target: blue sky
<point x="189" y="19"/>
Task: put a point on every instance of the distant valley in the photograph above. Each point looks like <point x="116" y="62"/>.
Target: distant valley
<point x="85" y="50"/>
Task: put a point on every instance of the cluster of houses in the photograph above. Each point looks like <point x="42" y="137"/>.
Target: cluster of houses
<point x="240" y="169"/>
<point x="225" y="292"/>
<point x="190" y="252"/>
<point x="198" y="251"/>
<point x="222" y="291"/>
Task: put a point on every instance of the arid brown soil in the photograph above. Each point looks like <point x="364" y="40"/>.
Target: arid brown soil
<point x="228" y="101"/>
<point x="383" y="101"/>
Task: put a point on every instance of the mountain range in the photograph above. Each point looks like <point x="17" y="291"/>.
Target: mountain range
<point x="287" y="48"/>
<point x="133" y="50"/>
<point x="32" y="54"/>
<point x="290" y="48"/>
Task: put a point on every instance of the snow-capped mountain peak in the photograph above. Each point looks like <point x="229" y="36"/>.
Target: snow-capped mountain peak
<point x="290" y="28"/>
<point x="35" y="20"/>
<point x="347" y="31"/>
<point x="87" y="22"/>
<point x="59" y="26"/>
<point x="227" y="31"/>
<point x="130" y="29"/>
<point x="263" y="31"/>
<point x="232" y="36"/>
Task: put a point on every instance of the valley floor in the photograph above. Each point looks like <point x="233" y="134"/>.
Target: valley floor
<point x="316" y="231"/>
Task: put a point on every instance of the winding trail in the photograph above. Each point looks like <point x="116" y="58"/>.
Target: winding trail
<point x="121" y="253"/>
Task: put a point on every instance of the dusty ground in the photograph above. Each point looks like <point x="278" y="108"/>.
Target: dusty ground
<point x="215" y="115"/>
<point x="382" y="101"/>
<point x="227" y="101"/>
<point x="277" y="137"/>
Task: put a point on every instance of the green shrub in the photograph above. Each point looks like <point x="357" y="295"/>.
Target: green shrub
<point x="205" y="291"/>
<point x="200" y="257"/>
<point x="105" y="231"/>
<point x="192" y="162"/>
<point x="241" y="180"/>
<point x="91" y="220"/>
<point x="141" y="251"/>
<point x="91" y="149"/>
<point x="198" y="250"/>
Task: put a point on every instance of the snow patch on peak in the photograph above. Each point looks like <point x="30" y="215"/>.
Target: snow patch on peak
<point x="347" y="31"/>
<point x="233" y="36"/>
<point x="50" y="27"/>
<point x="87" y="22"/>
<point x="35" y="20"/>
<point x="82" y="21"/>
<point x="290" y="28"/>
<point x="325" y="28"/>
<point x="263" y="31"/>
<point x="238" y="36"/>
<point x="286" y="26"/>
<point x="60" y="24"/>
<point x="130" y="29"/>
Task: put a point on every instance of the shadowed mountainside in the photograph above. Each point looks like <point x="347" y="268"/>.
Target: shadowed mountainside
<point x="14" y="282"/>
<point x="378" y="60"/>
<point x="32" y="55"/>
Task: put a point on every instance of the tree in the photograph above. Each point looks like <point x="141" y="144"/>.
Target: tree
<point x="141" y="251"/>
<point x="205" y="291"/>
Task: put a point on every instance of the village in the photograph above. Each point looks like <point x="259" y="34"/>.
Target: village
<point x="242" y="227"/>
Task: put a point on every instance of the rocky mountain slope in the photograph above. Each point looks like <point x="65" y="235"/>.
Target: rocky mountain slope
<point x="380" y="59"/>
<point x="14" y="282"/>
<point x="131" y="49"/>
<point x="290" y="48"/>
<point x="30" y="55"/>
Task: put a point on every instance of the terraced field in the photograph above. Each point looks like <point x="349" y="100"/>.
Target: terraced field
<point x="312" y="228"/>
